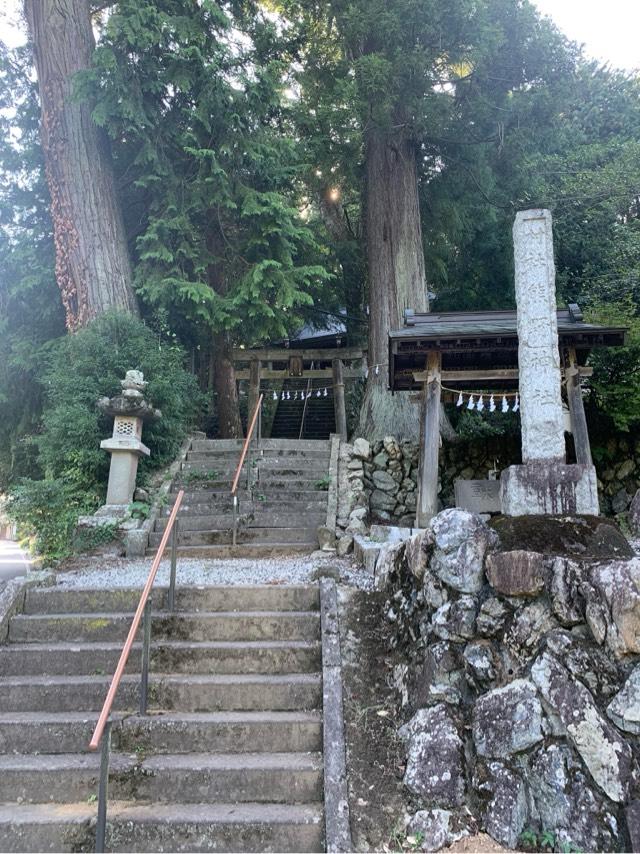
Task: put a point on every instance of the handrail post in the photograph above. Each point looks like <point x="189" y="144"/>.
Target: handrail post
<point x="103" y="788"/>
<point x="146" y="650"/>
<point x="235" y="519"/>
<point x="174" y="564"/>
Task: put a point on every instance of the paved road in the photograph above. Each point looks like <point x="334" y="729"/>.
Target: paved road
<point x="13" y="561"/>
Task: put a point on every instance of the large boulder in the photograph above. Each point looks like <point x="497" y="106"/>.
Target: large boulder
<point x="435" y="757"/>
<point x="507" y="720"/>
<point x="606" y="754"/>
<point x="566" y="801"/>
<point x="624" y="709"/>
<point x="455" y="620"/>
<point x="505" y="813"/>
<point x="634" y="514"/>
<point x="612" y="593"/>
<point x="462" y="541"/>
<point x="517" y="573"/>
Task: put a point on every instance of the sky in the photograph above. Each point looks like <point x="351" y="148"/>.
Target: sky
<point x="607" y="28"/>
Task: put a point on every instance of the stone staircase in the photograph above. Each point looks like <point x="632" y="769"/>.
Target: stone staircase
<point x="279" y="513"/>
<point x="229" y="757"/>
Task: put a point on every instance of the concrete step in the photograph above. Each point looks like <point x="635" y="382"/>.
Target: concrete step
<point x="266" y="444"/>
<point x="264" y="518"/>
<point x="221" y="506"/>
<point x="245" y="534"/>
<point x="235" y="597"/>
<point x="269" y="481"/>
<point x="203" y="626"/>
<point x="193" y="693"/>
<point x="178" y="778"/>
<point x="166" y="657"/>
<point x="281" y="466"/>
<point x="290" y="454"/>
<point x="263" y="494"/>
<point x="172" y="732"/>
<point x="244" y="551"/>
<point x="172" y="827"/>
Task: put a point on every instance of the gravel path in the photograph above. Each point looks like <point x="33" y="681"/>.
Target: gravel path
<point x="117" y="572"/>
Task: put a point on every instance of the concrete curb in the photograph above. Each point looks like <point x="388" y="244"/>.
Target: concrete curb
<point x="13" y="594"/>
<point x="332" y="496"/>
<point x="336" y="795"/>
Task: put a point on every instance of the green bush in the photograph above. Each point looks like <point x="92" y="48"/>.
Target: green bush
<point x="79" y="369"/>
<point x="46" y="512"/>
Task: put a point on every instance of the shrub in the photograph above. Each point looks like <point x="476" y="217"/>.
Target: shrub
<point x="78" y="370"/>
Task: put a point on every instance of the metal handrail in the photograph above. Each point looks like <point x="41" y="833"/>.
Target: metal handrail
<point x="102" y="731"/>
<point x="256" y="419"/>
<point x="304" y="408"/>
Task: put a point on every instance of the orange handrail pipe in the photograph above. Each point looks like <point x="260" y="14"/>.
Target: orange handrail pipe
<point x="137" y="617"/>
<point x="245" y="447"/>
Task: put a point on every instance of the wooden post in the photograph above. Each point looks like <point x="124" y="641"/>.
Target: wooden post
<point x="254" y="387"/>
<point x="430" y="442"/>
<point x="576" y="408"/>
<point x="338" y="400"/>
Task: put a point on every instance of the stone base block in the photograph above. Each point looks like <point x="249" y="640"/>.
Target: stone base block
<point x="549" y="488"/>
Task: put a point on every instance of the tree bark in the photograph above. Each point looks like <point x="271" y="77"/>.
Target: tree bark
<point x="395" y="260"/>
<point x="93" y="270"/>
<point x="229" y="423"/>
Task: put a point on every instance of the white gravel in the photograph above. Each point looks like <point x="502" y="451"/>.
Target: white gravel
<point x="118" y="572"/>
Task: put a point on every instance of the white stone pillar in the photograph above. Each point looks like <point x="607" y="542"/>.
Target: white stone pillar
<point x="544" y="484"/>
<point x="538" y="355"/>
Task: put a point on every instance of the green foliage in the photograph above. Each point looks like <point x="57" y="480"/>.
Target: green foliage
<point x="90" y="364"/>
<point x="139" y="510"/>
<point x="77" y="371"/>
<point x="47" y="511"/>
<point x="192" y="98"/>
<point x="615" y="385"/>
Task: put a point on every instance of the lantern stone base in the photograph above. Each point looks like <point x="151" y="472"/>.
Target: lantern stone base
<point x="124" y="468"/>
<point x="549" y="488"/>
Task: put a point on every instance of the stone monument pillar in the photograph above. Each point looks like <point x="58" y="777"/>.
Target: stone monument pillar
<point x="544" y="484"/>
<point x="129" y="411"/>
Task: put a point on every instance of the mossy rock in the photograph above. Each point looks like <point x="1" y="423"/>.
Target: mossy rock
<point x="583" y="537"/>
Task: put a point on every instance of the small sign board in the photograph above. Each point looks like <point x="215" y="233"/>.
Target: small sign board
<point x="478" y="496"/>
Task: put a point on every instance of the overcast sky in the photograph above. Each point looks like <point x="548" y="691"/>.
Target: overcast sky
<point x="609" y="29"/>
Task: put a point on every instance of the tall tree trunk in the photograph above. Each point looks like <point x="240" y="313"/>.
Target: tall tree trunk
<point x="92" y="262"/>
<point x="395" y="260"/>
<point x="229" y="423"/>
<point x="224" y="375"/>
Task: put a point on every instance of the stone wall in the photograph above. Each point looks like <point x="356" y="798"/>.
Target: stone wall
<point x="390" y="470"/>
<point x="520" y="692"/>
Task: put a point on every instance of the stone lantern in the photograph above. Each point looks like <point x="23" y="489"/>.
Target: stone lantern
<point x="129" y="410"/>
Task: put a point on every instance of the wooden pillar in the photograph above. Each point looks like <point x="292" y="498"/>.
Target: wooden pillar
<point x="338" y="400"/>
<point x="576" y="408"/>
<point x="430" y="442"/>
<point x="254" y="386"/>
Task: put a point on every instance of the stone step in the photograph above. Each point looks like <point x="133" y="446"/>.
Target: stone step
<point x="202" y="626"/>
<point x="244" y="551"/>
<point x="269" y="481"/>
<point x="261" y="494"/>
<point x="221" y="506"/>
<point x="266" y="444"/>
<point x="289" y="454"/>
<point x="257" y="519"/>
<point x="170" y="827"/>
<point x="282" y="467"/>
<point x="178" y="778"/>
<point x="169" y="732"/>
<point x="166" y="657"/>
<point x="235" y="597"/>
<point x="193" y="693"/>
<point x="244" y="534"/>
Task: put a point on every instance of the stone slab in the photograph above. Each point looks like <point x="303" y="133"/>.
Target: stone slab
<point x="478" y="496"/>
<point x="549" y="488"/>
